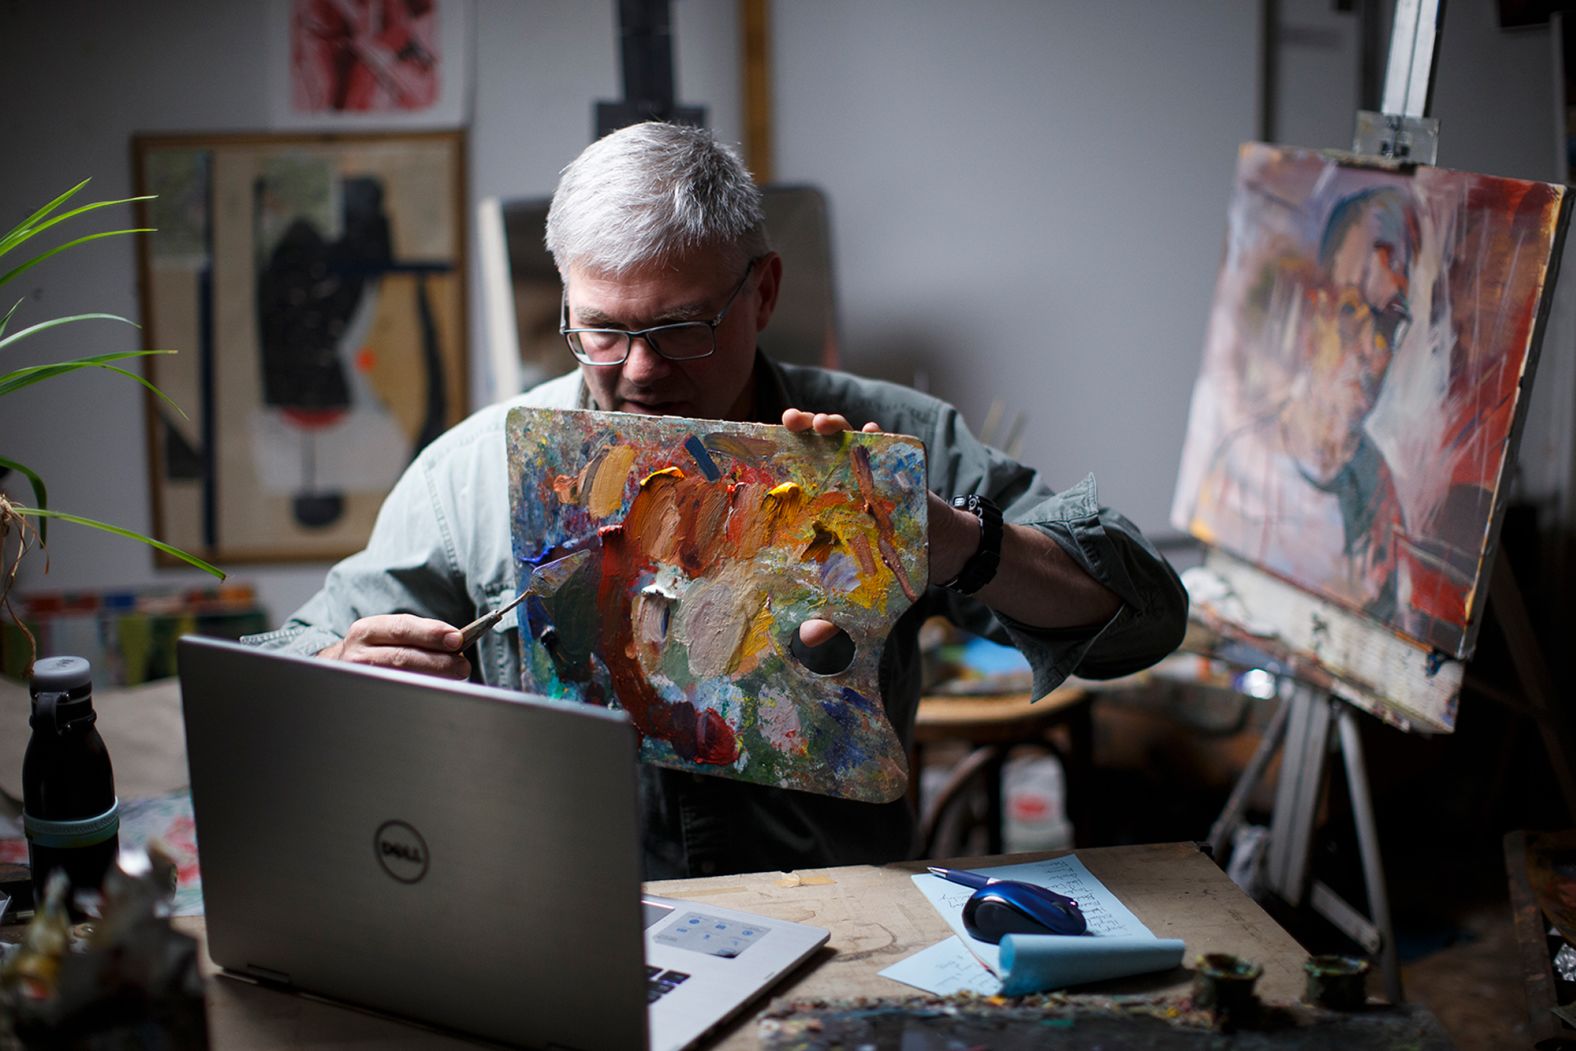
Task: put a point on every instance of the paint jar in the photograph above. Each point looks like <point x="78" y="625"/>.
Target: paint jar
<point x="1034" y="805"/>
<point x="1337" y="982"/>
<point x="1223" y="985"/>
<point x="69" y="811"/>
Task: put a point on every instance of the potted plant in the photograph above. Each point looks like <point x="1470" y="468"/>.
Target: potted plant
<point x="19" y="534"/>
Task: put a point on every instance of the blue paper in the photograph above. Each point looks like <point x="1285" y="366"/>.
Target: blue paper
<point x="1036" y="963"/>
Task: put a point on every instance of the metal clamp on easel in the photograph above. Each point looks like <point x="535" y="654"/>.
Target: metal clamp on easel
<point x="1402" y="132"/>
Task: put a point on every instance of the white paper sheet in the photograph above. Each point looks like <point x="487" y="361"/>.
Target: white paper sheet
<point x="945" y="968"/>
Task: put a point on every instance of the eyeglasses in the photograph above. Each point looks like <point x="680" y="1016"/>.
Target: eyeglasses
<point x="1391" y="323"/>
<point x="680" y="341"/>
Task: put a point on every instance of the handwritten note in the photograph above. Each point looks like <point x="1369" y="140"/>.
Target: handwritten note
<point x="944" y="969"/>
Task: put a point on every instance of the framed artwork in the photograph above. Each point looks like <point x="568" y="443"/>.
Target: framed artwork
<point x="365" y="64"/>
<point x="313" y="288"/>
<point x="667" y="565"/>
<point x="1354" y="426"/>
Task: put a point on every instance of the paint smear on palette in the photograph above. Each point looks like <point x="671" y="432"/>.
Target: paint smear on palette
<point x="668" y="564"/>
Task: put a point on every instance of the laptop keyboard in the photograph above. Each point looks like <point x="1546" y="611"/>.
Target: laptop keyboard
<point x="659" y="982"/>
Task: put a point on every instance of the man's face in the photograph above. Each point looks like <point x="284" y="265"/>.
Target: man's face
<point x="1367" y="262"/>
<point x="1349" y="330"/>
<point x="1371" y="274"/>
<point x="694" y="288"/>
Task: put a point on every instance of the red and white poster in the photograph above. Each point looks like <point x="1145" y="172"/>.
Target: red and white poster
<point x="370" y="63"/>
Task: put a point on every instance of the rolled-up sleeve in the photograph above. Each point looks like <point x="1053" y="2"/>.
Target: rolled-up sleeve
<point x="1153" y="615"/>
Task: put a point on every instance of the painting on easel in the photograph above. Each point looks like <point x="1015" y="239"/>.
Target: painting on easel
<point x="668" y="563"/>
<point x="1364" y="377"/>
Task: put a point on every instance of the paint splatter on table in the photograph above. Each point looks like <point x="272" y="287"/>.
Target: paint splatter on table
<point x="1085" y="1022"/>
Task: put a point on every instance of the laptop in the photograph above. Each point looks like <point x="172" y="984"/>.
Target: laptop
<point x="463" y="856"/>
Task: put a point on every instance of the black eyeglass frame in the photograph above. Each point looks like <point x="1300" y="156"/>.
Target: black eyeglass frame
<point x="648" y="334"/>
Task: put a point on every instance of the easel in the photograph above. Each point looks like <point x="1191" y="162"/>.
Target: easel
<point x="1301" y="729"/>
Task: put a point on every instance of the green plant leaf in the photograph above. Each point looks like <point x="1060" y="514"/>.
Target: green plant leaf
<point x="40" y="495"/>
<point x="4" y="321"/>
<point x="127" y="533"/>
<point x="26" y="224"/>
<point x="16" y="379"/>
<point x="12" y="273"/>
<point x="55" y="322"/>
<point x="57" y="367"/>
<point x="16" y="237"/>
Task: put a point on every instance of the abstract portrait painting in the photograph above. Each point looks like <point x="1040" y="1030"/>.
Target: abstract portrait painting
<point x="667" y="565"/>
<point x="1364" y="377"/>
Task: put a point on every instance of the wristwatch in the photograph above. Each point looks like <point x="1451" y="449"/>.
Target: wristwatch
<point x="981" y="567"/>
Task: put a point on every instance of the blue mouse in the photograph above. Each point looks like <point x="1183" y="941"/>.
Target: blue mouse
<point x="1008" y="906"/>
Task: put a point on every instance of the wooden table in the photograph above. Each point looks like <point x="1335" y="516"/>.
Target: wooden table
<point x="877" y="917"/>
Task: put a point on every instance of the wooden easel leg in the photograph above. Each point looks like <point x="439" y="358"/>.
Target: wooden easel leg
<point x="1231" y="814"/>
<point x="1298" y="791"/>
<point x="1372" y="931"/>
<point x="1368" y="849"/>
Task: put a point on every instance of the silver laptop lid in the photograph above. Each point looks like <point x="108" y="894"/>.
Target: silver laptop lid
<point x="443" y="851"/>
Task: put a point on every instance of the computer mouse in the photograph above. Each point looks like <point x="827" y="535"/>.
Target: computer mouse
<point x="1012" y="907"/>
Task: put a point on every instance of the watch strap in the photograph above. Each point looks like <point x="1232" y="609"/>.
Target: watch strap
<point x="981" y="567"/>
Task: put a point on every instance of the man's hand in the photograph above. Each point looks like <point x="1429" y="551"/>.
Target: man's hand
<point x="816" y="632"/>
<point x="799" y="421"/>
<point x="400" y="640"/>
<point x="1037" y="582"/>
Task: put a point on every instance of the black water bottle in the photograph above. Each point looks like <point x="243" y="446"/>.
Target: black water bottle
<point x="69" y="810"/>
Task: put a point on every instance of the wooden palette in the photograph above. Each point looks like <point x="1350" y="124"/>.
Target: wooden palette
<point x="668" y="564"/>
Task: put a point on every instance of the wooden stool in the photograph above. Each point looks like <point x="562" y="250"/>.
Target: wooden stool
<point x="992" y="726"/>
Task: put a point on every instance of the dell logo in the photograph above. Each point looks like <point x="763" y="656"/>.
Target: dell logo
<point x="401" y="851"/>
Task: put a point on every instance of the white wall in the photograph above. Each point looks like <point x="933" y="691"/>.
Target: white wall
<point x="1316" y="75"/>
<point x="1027" y="204"/>
<point x="1027" y="196"/>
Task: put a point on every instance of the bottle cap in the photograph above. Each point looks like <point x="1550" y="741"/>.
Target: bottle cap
<point x="61" y="674"/>
<point x="62" y="689"/>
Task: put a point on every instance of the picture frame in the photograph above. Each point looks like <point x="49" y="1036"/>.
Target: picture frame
<point x="313" y="287"/>
<point x="367" y="65"/>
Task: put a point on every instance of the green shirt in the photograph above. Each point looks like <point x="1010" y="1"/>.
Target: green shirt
<point x="441" y="548"/>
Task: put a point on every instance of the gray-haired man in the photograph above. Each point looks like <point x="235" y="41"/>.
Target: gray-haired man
<point x="659" y="238"/>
